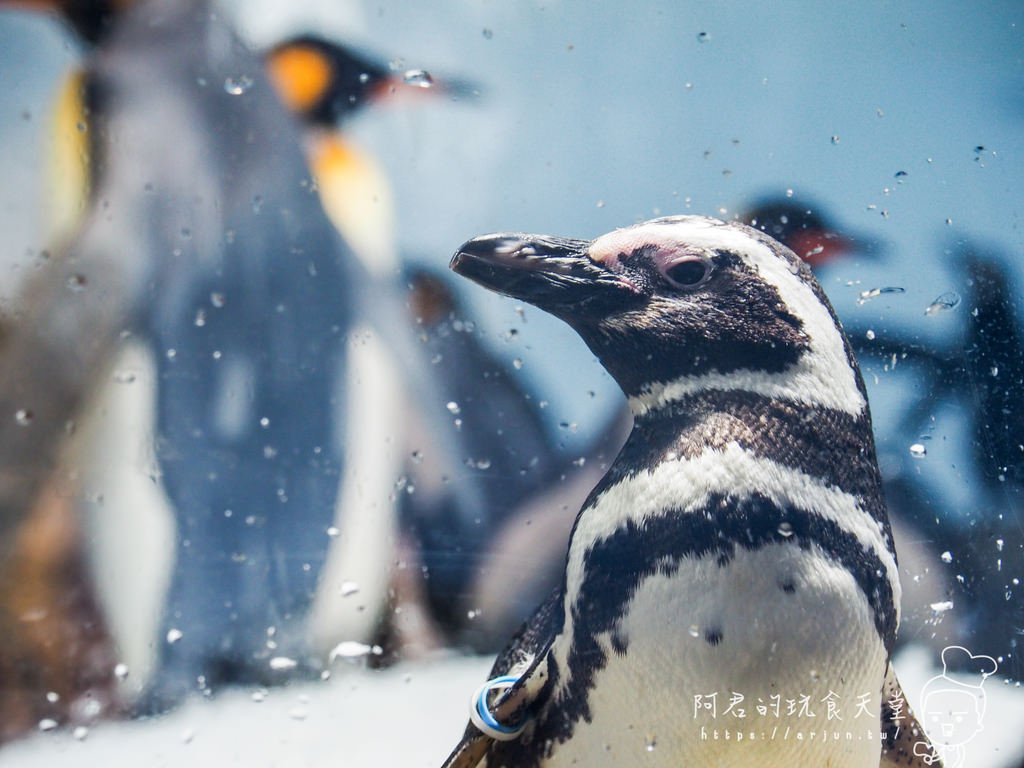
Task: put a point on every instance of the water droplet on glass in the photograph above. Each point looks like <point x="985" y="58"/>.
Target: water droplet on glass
<point x="236" y="86"/>
<point x="80" y="733"/>
<point x="173" y="635"/>
<point x="835" y="139"/>
<point x="200" y="320"/>
<point x="217" y="299"/>
<point x="260" y="695"/>
<point x="76" y="283"/>
<point x="349" y="588"/>
<point x="694" y="630"/>
<point x="650" y="742"/>
<point x="187" y="735"/>
<point x="121" y="671"/>
<point x="418" y="78"/>
<point x="333" y="532"/>
<point x="52" y="696"/>
<point x="298" y="713"/>
<point x="785" y="529"/>
<point x="517" y="364"/>
<point x="918" y="451"/>
<point x="23" y="417"/>
<point x="453" y="407"/>
<point x="866" y="296"/>
<point x="999" y="545"/>
<point x="994" y="371"/>
<point x="945" y="302"/>
<point x="703" y="37"/>
<point x="942" y="607"/>
<point x="47" y="724"/>
<point x="488" y="33"/>
<point x="283" y="663"/>
<point x="349" y="650"/>
<point x="946" y="557"/>
<point x="870" y="334"/>
<point x="124" y="377"/>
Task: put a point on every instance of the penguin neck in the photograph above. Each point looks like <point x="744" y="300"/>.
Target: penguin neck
<point x="831" y="445"/>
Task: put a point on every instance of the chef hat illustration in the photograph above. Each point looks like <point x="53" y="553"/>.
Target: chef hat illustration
<point x="955" y="657"/>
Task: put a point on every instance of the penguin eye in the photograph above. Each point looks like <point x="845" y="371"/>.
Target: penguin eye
<point x="688" y="273"/>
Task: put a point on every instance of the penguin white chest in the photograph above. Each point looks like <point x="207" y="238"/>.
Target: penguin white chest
<point x="768" y="659"/>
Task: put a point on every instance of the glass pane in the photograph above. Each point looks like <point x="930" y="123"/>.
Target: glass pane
<point x="276" y="482"/>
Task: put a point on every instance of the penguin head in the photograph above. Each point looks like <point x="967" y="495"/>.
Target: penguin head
<point x="324" y="82"/>
<point x="321" y="81"/>
<point x="671" y="299"/>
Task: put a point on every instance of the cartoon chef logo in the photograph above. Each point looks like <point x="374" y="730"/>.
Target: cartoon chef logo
<point x="953" y="709"/>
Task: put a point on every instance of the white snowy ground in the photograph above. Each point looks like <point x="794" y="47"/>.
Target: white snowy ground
<point x="408" y="716"/>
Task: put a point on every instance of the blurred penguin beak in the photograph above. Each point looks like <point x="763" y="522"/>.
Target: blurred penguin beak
<point x="418" y="83"/>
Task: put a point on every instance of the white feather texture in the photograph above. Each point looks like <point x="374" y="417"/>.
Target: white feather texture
<point x="684" y="486"/>
<point x="818" y="643"/>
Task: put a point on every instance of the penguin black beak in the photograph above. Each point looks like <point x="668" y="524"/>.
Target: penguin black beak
<point x="552" y="273"/>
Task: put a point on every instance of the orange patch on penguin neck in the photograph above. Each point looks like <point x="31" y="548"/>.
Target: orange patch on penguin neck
<point x="301" y="76"/>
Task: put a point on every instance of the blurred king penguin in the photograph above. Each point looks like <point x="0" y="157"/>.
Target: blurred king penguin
<point x="197" y="188"/>
<point x="465" y="467"/>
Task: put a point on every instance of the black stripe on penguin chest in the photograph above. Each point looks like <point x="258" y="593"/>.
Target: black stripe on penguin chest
<point x="615" y="568"/>
<point x="830" y="445"/>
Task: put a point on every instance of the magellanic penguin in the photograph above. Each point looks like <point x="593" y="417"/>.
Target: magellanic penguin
<point x="730" y="595"/>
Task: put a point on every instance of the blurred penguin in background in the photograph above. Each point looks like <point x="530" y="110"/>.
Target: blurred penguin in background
<point x="979" y="372"/>
<point x="325" y="84"/>
<point x="505" y="447"/>
<point x="992" y="386"/>
<point x="478" y="464"/>
<point x="202" y="231"/>
<point x="806" y="229"/>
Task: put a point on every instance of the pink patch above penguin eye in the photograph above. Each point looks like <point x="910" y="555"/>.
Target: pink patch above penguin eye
<point x="687" y="273"/>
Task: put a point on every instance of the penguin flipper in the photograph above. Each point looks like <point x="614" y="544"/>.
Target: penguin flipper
<point x="904" y="743"/>
<point x="524" y="656"/>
